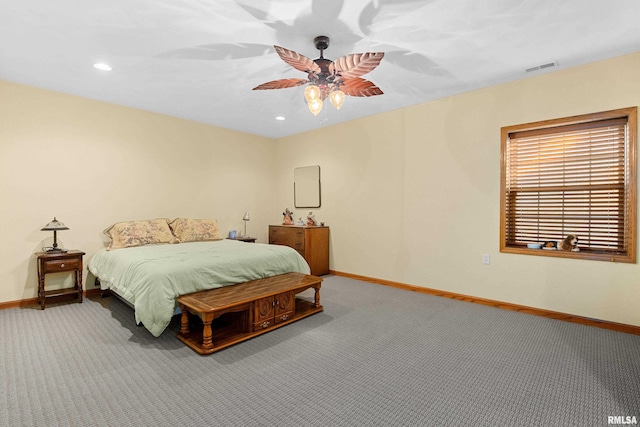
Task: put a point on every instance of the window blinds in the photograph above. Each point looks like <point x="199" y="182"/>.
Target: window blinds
<point x="568" y="180"/>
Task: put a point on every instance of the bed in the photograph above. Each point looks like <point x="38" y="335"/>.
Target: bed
<point x="150" y="273"/>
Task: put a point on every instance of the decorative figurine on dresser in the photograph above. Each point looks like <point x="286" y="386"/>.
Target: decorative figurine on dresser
<point x="56" y="260"/>
<point x="288" y="217"/>
<point x="311" y="220"/>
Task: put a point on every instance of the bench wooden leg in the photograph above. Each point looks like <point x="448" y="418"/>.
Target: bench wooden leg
<point x="207" y="333"/>
<point x="317" y="296"/>
<point x="184" y="321"/>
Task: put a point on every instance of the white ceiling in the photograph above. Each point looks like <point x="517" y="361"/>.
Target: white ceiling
<point x="199" y="59"/>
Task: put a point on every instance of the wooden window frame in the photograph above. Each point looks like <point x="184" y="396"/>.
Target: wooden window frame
<point x="630" y="187"/>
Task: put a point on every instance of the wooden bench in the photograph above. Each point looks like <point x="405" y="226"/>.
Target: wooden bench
<point x="232" y="314"/>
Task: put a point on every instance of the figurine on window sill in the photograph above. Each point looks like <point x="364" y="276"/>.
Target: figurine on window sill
<point x="570" y="243"/>
<point x="551" y="245"/>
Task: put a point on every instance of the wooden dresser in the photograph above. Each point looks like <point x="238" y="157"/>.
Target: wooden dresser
<point x="311" y="242"/>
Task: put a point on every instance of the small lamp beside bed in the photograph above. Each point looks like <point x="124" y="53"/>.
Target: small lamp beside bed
<point x="54" y="226"/>
<point x="245" y="218"/>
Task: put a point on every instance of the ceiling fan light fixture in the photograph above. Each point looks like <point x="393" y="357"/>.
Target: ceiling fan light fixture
<point x="315" y="106"/>
<point x="327" y="78"/>
<point x="311" y="93"/>
<point x="337" y="98"/>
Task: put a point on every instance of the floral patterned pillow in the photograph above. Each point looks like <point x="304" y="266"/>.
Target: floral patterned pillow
<point x="194" y="230"/>
<point x="139" y="233"/>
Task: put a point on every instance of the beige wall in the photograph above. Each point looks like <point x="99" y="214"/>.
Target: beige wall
<point x="413" y="195"/>
<point x="92" y="164"/>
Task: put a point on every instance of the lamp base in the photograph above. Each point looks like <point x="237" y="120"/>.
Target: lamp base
<point x="55" y="250"/>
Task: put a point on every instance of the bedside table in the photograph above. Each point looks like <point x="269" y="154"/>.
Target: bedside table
<point x="245" y="239"/>
<point x="56" y="262"/>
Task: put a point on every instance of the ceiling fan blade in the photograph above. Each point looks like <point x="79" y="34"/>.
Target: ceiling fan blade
<point x="357" y="64"/>
<point x="281" y="84"/>
<point x="297" y="61"/>
<point x="360" y="87"/>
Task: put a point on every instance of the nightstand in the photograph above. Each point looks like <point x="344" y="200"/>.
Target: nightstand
<point x="56" y="262"/>
<point x="246" y="239"/>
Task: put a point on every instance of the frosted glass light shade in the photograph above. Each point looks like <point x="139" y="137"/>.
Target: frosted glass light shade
<point x="315" y="106"/>
<point x="311" y="93"/>
<point x="337" y="98"/>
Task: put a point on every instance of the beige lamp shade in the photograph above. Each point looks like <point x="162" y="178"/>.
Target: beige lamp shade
<point x="54" y="226"/>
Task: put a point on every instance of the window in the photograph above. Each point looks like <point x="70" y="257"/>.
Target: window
<point x="571" y="176"/>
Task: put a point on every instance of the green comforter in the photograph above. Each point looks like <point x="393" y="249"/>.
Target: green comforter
<point x="152" y="277"/>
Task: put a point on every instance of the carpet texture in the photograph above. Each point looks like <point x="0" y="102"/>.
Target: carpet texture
<point x="377" y="356"/>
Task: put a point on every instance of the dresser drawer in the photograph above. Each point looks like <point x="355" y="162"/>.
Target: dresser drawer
<point x="53" y="266"/>
<point x="293" y="237"/>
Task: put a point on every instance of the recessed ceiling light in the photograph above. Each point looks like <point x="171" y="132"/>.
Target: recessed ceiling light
<point x="102" y="66"/>
<point x="280" y="118"/>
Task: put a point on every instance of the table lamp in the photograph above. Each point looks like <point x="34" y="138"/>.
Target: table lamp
<point x="246" y="218"/>
<point x="54" y="226"/>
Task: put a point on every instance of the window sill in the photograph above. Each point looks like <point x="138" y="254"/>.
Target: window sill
<point x="583" y="254"/>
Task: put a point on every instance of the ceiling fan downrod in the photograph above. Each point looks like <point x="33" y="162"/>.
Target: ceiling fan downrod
<point x="321" y="43"/>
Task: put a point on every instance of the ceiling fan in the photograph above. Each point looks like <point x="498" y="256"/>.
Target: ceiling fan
<point x="327" y="78"/>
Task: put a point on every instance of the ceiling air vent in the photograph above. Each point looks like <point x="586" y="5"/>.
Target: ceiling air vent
<point x="542" y="67"/>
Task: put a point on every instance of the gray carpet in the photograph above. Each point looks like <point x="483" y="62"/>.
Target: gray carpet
<point x="377" y="356"/>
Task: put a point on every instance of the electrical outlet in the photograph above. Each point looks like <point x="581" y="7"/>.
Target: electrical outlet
<point x="486" y="259"/>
